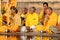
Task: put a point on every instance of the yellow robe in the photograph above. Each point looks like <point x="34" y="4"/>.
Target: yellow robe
<point x="14" y="26"/>
<point x="53" y="18"/>
<point x="32" y="19"/>
<point x="59" y="19"/>
<point x="4" y="27"/>
<point x="52" y="22"/>
<point x="41" y="16"/>
<point x="8" y="15"/>
<point x="23" y="21"/>
<point x="39" y="28"/>
<point x="15" y="23"/>
<point x="17" y="19"/>
<point x="0" y="19"/>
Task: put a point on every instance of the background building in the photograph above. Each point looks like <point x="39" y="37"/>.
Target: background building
<point x="55" y="4"/>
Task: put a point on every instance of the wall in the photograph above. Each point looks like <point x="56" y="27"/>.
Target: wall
<point x="55" y="4"/>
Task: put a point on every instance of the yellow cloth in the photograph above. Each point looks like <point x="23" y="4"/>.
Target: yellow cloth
<point x="3" y="28"/>
<point x="53" y="18"/>
<point x="51" y="22"/>
<point x="23" y="21"/>
<point x="32" y="19"/>
<point x="39" y="28"/>
<point x="0" y="19"/>
<point x="8" y="15"/>
<point x="17" y="19"/>
<point x="14" y="27"/>
<point x="41" y="16"/>
<point x="11" y="28"/>
<point x="59" y="19"/>
<point x="15" y="23"/>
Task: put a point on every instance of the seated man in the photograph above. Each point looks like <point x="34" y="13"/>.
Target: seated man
<point x="24" y="11"/>
<point x="50" y="22"/>
<point x="42" y="12"/>
<point x="14" y="25"/>
<point x="50" y="18"/>
<point x="14" y="19"/>
<point x="32" y="20"/>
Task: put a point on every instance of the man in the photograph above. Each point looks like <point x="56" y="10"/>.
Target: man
<point x="32" y="20"/>
<point x="14" y="19"/>
<point x="41" y="19"/>
<point x="42" y="13"/>
<point x="50" y="18"/>
<point x="3" y="24"/>
<point x="2" y="21"/>
<point x="15" y="22"/>
<point x="9" y="4"/>
<point x="23" y="15"/>
<point x="23" y="20"/>
<point x="50" y="21"/>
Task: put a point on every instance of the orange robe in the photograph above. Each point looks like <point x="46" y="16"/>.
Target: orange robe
<point x="51" y="22"/>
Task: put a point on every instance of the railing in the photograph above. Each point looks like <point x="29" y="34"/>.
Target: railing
<point x="32" y="34"/>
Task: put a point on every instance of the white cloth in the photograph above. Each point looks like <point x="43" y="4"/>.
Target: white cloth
<point x="33" y="28"/>
<point x="23" y="29"/>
